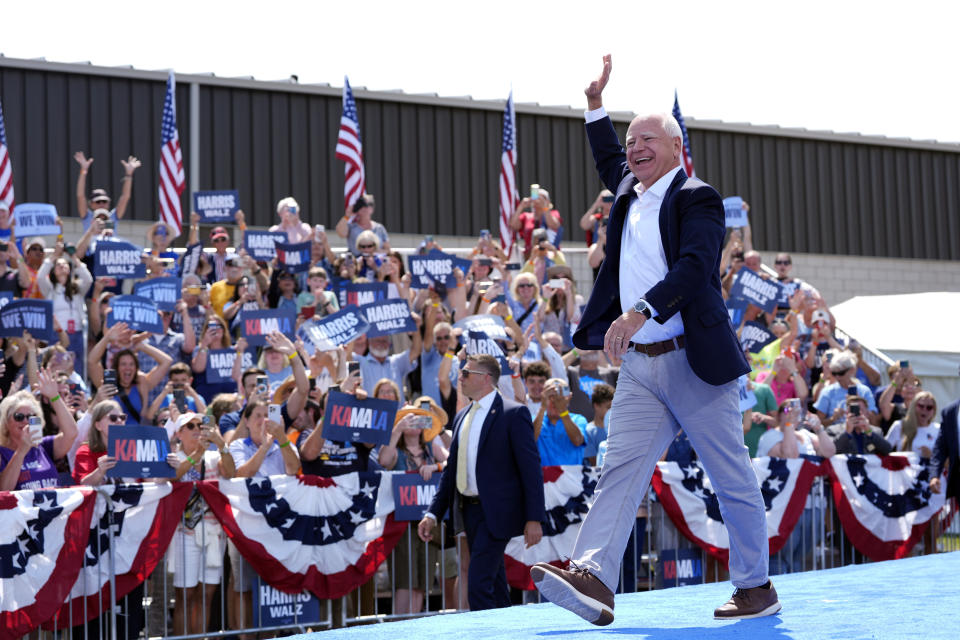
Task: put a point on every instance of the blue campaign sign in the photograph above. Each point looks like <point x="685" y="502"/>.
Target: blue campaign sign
<point x="35" y="316"/>
<point x="141" y="314"/>
<point x="387" y="317"/>
<point x="734" y="212"/>
<point x="276" y="608"/>
<point x="433" y="267"/>
<point x="220" y="364"/>
<point x="412" y="495"/>
<point x="736" y="309"/>
<point x="191" y="259"/>
<point x="334" y="330"/>
<point x="118" y="259"/>
<point x="349" y="419"/>
<point x="361" y="293"/>
<point x="216" y="207"/>
<point x="255" y="325"/>
<point x="761" y="292"/>
<point x="488" y="323"/>
<point x="6" y="297"/>
<point x="163" y="291"/>
<point x="477" y="342"/>
<point x="141" y="452"/>
<point x="36" y="219"/>
<point x="262" y="244"/>
<point x="295" y="258"/>
<point x="679" y="567"/>
<point x="754" y="337"/>
<point x="787" y="289"/>
<point x="748" y="399"/>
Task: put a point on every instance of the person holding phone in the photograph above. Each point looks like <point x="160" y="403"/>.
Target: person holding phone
<point x="318" y="301"/>
<point x="359" y="218"/>
<point x="291" y="223"/>
<point x="537" y="212"/>
<point x="854" y="434"/>
<point x="26" y="455"/>
<point x="64" y="279"/>
<point x="561" y="436"/>
<point x="595" y="215"/>
<point x="830" y="405"/>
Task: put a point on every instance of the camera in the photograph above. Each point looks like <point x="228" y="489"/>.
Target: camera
<point x="855" y="409"/>
<point x="110" y="377"/>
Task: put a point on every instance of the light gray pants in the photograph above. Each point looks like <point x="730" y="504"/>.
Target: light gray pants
<point x="655" y="398"/>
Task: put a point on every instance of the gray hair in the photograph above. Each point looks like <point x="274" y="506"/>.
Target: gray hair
<point x="844" y="360"/>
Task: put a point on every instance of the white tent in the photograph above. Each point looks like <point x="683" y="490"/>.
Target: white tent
<point x="919" y="327"/>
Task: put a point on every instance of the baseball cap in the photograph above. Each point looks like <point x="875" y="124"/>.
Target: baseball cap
<point x="219" y="231"/>
<point x="29" y="242"/>
<point x="99" y="194"/>
<point x="233" y="260"/>
<point x="820" y="316"/>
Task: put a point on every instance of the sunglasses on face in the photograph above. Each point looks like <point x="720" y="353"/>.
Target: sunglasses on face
<point x="117" y="418"/>
<point x="468" y="372"/>
<point x="443" y="337"/>
<point x="524" y="285"/>
<point x="190" y="426"/>
<point x="926" y="407"/>
<point x="782" y="262"/>
<point x="101" y="201"/>
<point x="221" y="239"/>
<point x="22" y="417"/>
<point x="366" y="246"/>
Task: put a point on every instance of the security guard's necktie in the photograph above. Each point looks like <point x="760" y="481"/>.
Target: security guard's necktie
<point x="464" y="444"/>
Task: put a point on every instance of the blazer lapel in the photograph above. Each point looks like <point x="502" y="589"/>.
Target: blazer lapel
<point x="667" y="224"/>
<point x="495" y="410"/>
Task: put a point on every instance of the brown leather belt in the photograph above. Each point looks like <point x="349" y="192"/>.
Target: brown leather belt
<point x="659" y="348"/>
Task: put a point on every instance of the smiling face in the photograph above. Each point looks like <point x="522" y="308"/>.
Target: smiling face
<point x="256" y="424"/>
<point x="651" y="151"/>
<point x="126" y="370"/>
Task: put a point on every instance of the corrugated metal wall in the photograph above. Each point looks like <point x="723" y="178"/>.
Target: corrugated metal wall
<point x="433" y="163"/>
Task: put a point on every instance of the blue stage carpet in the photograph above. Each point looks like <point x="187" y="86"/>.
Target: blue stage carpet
<point x="910" y="598"/>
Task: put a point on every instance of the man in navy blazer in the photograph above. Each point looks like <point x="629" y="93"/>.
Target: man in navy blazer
<point x="662" y="263"/>
<point x="492" y="484"/>
<point x="947" y="448"/>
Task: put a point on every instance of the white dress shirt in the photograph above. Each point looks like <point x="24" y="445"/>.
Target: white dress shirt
<point x="643" y="262"/>
<point x="473" y="441"/>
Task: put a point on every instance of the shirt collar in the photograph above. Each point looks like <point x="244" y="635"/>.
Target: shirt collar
<point x="658" y="188"/>
<point x="487" y="401"/>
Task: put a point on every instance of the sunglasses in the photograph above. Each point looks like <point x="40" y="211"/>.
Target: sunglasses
<point x="783" y="262"/>
<point x="927" y="407"/>
<point x="23" y="417"/>
<point x="525" y="285"/>
<point x="220" y="239"/>
<point x="190" y="426"/>
<point x="443" y="337"/>
<point x="468" y="372"/>
<point x="366" y="246"/>
<point x="117" y="418"/>
<point x="101" y="201"/>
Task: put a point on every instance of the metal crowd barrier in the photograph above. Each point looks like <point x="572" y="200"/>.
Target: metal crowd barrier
<point x="658" y="556"/>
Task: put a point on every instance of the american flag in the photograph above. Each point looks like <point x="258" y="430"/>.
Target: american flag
<point x="172" y="182"/>
<point x="508" y="183"/>
<point x="6" y="169"/>
<point x="687" y="155"/>
<point x="350" y="149"/>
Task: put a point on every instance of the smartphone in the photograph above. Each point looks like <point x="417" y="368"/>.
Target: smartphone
<point x="206" y="421"/>
<point x="109" y="225"/>
<point x="274" y="414"/>
<point x="484" y="234"/>
<point x="855" y="409"/>
<point x="180" y="399"/>
<point x="312" y="382"/>
<point x="70" y="249"/>
<point x="308" y="312"/>
<point x="263" y="385"/>
<point x="428" y="239"/>
<point x="513" y="266"/>
<point x="110" y="377"/>
<point x="425" y="405"/>
<point x="4" y="246"/>
<point x="904" y="364"/>
<point x="851" y="391"/>
<point x="534" y="191"/>
<point x="74" y="388"/>
<point x="353" y="367"/>
<point x="332" y="388"/>
<point x="565" y="390"/>
<point x="555" y="283"/>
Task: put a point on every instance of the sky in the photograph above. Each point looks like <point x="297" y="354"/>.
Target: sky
<point x="875" y="68"/>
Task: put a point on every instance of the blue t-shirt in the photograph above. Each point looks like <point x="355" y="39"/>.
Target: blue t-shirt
<point x="430" y="362"/>
<point x="595" y="435"/>
<point x="833" y="396"/>
<point x="395" y="367"/>
<point x="554" y="444"/>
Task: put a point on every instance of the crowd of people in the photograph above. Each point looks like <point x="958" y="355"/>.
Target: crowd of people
<point x="819" y="397"/>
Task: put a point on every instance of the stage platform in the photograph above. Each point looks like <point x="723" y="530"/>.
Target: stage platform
<point x="909" y="598"/>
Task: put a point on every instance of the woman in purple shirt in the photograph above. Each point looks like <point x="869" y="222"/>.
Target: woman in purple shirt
<point x="24" y="462"/>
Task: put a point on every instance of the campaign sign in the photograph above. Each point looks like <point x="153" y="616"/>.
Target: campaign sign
<point x="276" y="609"/>
<point x="216" y="207"/>
<point x="361" y="293"/>
<point x="751" y="287"/>
<point x="36" y="219"/>
<point x="349" y="419"/>
<point x="488" y="323"/>
<point x="220" y="364"/>
<point x="679" y="567"/>
<point x="434" y="267"/>
<point x="295" y="258"/>
<point x="412" y="495"/>
<point x="255" y="325"/>
<point x="118" y="259"/>
<point x="734" y="212"/>
<point x="787" y="289"/>
<point x="334" y="330"/>
<point x="388" y="317"/>
<point x="754" y="336"/>
<point x="463" y="264"/>
<point x="163" y="291"/>
<point x="6" y="297"/>
<point x="141" y="314"/>
<point x="35" y="316"/>
<point x="748" y="399"/>
<point x="477" y="342"/>
<point x="262" y="244"/>
<point x="141" y="452"/>
<point x="736" y="308"/>
<point x="191" y="259"/>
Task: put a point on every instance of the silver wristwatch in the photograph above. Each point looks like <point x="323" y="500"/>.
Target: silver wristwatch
<point x="642" y="307"/>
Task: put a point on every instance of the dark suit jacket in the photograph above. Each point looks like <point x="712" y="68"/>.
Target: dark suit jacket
<point x="509" y="476"/>
<point x="692" y="226"/>
<point x="948" y="448"/>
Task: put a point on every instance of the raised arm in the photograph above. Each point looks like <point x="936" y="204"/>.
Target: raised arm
<point x="153" y="377"/>
<point x="129" y="166"/>
<point x="84" y="163"/>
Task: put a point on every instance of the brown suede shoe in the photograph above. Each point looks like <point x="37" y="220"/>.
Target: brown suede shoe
<point x="578" y="591"/>
<point x="749" y="603"/>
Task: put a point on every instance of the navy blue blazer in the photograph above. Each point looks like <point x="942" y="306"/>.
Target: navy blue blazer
<point x="692" y="226"/>
<point x="509" y="476"/>
<point x="948" y="448"/>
